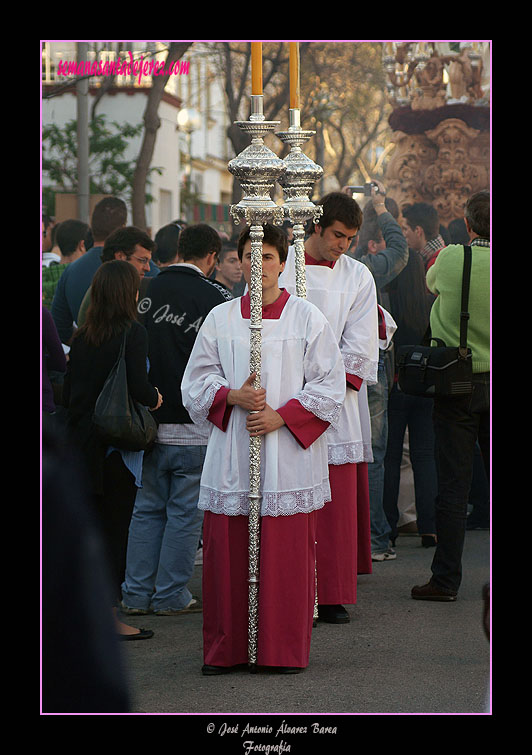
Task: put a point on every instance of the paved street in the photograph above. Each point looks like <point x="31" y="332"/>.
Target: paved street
<point x="397" y="655"/>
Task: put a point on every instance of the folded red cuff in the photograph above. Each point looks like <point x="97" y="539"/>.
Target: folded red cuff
<point x="304" y="426"/>
<point x="353" y="381"/>
<point x="220" y="410"/>
<point x="382" y="324"/>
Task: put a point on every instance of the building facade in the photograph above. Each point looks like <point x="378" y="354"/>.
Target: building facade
<point x="193" y="180"/>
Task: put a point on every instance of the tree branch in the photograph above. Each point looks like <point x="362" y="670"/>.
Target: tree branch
<point x="152" y="123"/>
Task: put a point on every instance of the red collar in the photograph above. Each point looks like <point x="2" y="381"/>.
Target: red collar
<point x="270" y="311"/>
<point x="324" y="263"/>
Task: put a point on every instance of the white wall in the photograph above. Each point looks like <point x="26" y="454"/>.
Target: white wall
<point x="125" y="108"/>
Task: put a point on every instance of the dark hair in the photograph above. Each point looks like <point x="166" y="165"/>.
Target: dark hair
<point x="339" y="206"/>
<point x="227" y="246"/>
<point x="47" y="219"/>
<point x="68" y="235"/>
<point x="113" y="304"/>
<point x="391" y="206"/>
<point x="166" y="240"/>
<point x="125" y="240"/>
<point x="89" y="239"/>
<point x="370" y="230"/>
<point x="409" y="300"/>
<point x="424" y="215"/>
<point x="273" y="235"/>
<point x="197" y="241"/>
<point x="457" y="231"/>
<point x="109" y="214"/>
<point x="53" y="235"/>
<point x="477" y="212"/>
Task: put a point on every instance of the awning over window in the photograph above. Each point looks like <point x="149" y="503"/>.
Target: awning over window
<point x="205" y="213"/>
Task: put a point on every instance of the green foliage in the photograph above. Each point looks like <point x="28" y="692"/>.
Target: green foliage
<point x="110" y="172"/>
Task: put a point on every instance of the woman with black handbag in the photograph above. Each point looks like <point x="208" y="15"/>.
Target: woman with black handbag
<point x="115" y="473"/>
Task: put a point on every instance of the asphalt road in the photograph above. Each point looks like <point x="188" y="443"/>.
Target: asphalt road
<point x="396" y="656"/>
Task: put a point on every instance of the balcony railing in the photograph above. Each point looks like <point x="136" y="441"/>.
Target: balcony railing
<point x="59" y="59"/>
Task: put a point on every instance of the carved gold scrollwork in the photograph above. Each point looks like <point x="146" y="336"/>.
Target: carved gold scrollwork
<point x="443" y="166"/>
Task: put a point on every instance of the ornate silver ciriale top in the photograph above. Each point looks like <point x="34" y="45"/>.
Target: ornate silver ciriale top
<point x="298" y="183"/>
<point x="257" y="168"/>
<point x="300" y="175"/>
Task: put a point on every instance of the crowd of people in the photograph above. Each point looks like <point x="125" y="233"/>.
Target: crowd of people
<point x="329" y="410"/>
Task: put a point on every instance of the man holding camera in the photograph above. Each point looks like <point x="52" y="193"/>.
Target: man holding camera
<point x="383" y="249"/>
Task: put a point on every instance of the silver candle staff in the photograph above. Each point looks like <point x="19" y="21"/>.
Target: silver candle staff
<point x="257" y="168"/>
<point x="298" y="182"/>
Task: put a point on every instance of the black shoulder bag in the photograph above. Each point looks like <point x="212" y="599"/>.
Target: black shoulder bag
<point x="440" y="370"/>
<point x="119" y="420"/>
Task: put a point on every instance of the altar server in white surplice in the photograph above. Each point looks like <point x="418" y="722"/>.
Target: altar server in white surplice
<point x="344" y="290"/>
<point x="303" y="388"/>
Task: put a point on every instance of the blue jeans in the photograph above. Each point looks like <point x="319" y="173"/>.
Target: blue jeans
<point x="458" y="424"/>
<point x="378" y="409"/>
<point x="414" y="412"/>
<point x="165" y="529"/>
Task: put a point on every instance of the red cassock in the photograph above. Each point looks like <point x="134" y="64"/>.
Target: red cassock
<point x="287" y="576"/>
<point x="286" y="589"/>
<point x="345" y="522"/>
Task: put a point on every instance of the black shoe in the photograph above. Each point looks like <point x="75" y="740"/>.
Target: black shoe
<point x="333" y="614"/>
<point x="430" y="591"/>
<point x="215" y="670"/>
<point x="476" y="524"/>
<point x="207" y="670"/>
<point x="142" y="634"/>
<point x="428" y="541"/>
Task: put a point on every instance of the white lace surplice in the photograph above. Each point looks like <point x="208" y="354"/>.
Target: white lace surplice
<point x="300" y="359"/>
<point x="347" y="296"/>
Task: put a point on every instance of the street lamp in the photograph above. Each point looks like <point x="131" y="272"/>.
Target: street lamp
<point x="188" y="120"/>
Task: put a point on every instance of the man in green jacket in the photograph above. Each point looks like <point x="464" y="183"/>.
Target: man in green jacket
<point x="460" y="421"/>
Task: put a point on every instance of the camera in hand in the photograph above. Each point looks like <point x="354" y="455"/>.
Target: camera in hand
<point x="366" y="189"/>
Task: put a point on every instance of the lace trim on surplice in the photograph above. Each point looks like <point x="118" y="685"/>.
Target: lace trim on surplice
<point x="350" y="453"/>
<point x="201" y="406"/>
<point x="323" y="407"/>
<point x="284" y="503"/>
<point x="361" y="366"/>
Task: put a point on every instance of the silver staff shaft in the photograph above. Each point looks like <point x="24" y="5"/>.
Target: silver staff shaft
<point x="298" y="181"/>
<point x="255" y="498"/>
<point x="257" y="168"/>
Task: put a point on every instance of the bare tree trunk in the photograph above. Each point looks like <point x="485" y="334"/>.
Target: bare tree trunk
<point x="151" y="125"/>
<point x="108" y="84"/>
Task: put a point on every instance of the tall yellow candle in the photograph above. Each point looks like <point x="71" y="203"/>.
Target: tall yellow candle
<point x="256" y="68"/>
<point x="294" y="74"/>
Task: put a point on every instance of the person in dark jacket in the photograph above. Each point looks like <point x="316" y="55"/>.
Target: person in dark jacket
<point x="166" y="523"/>
<point x="410" y="304"/>
<point x="115" y="474"/>
<point x="383" y="249"/>
<point x="109" y="214"/>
